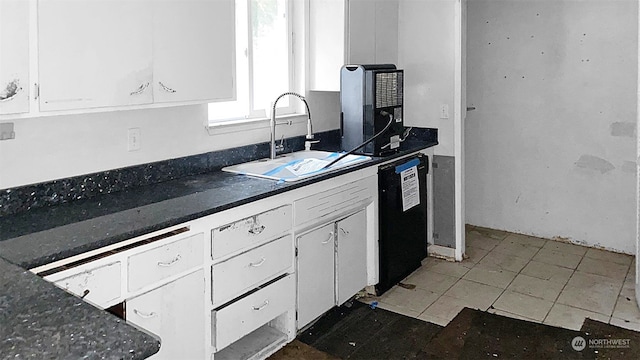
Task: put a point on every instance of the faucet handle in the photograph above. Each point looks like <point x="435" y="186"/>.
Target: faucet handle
<point x="280" y="147"/>
<point x="307" y="144"/>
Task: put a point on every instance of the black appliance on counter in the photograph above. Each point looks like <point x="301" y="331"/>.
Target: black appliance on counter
<point x="402" y="190"/>
<point x="369" y="94"/>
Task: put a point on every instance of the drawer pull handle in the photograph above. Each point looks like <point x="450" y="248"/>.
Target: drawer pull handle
<point x="140" y="89"/>
<point x="256" y="264"/>
<point x="170" y="263"/>
<point x="255" y="230"/>
<point x="264" y="304"/>
<point x="143" y="314"/>
<point x="344" y="232"/>
<point x="166" y="88"/>
<point x="85" y="293"/>
<point x="329" y="239"/>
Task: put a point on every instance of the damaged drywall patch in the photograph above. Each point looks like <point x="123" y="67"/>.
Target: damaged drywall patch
<point x="629" y="167"/>
<point x="594" y="163"/>
<point x="625" y="129"/>
<point x="569" y="240"/>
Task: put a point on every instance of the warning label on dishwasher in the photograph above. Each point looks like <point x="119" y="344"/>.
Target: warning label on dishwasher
<point x="410" y="188"/>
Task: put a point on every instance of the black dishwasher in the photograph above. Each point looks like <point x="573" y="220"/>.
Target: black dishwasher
<point x="402" y="189"/>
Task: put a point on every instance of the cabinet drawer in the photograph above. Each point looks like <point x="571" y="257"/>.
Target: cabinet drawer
<point x="250" y="232"/>
<point x="244" y="272"/>
<point x="245" y="315"/>
<point x="340" y="199"/>
<point x="164" y="261"/>
<point x="100" y="286"/>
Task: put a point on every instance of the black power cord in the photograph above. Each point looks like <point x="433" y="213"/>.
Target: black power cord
<point x="383" y="113"/>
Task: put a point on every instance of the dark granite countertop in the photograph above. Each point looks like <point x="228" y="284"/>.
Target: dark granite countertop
<point x="44" y="235"/>
<point x="40" y="321"/>
<point x="32" y="311"/>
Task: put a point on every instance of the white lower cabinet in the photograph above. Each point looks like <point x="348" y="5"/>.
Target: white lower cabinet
<point x="253" y="296"/>
<point x="238" y="298"/>
<point x="175" y="313"/>
<point x="316" y="252"/>
<point x="331" y="266"/>
<point x="351" y="262"/>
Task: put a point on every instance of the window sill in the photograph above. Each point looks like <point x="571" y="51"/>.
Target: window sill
<point x="234" y="126"/>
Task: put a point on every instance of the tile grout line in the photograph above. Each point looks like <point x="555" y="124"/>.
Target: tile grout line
<point x="518" y="273"/>
<point x="440" y="295"/>
<point x="563" y="287"/>
<point x="477" y="263"/>
<point x="574" y="270"/>
<point x="620" y="293"/>
<point x="454" y="283"/>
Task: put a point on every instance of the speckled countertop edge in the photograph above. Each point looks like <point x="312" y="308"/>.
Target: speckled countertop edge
<point x="40" y="321"/>
<point x="45" y="235"/>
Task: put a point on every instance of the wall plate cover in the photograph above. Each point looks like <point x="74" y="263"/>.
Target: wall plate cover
<point x="133" y="139"/>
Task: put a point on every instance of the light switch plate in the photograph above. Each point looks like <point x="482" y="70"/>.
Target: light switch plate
<point x="444" y="111"/>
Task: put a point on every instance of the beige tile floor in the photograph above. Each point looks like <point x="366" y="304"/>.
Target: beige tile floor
<point x="524" y="277"/>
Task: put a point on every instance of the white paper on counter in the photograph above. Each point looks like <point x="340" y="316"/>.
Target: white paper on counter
<point x="410" y="188"/>
<point x="307" y="166"/>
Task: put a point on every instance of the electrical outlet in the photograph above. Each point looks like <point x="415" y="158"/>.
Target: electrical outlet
<point x="444" y="111"/>
<point x="133" y="136"/>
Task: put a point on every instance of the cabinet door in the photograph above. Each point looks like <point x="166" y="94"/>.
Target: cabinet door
<point x="193" y="50"/>
<point x="316" y="251"/>
<point x="14" y="56"/>
<point x="351" y="256"/>
<point x="174" y="312"/>
<point x="94" y="53"/>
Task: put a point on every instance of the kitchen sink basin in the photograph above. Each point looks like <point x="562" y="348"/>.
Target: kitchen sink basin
<point x="295" y="166"/>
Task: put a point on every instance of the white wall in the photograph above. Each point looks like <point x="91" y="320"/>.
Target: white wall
<point x="54" y="147"/>
<point x="430" y="50"/>
<point x="551" y="149"/>
<point x="426" y="52"/>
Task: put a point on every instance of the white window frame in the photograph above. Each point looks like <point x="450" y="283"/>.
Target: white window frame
<point x="255" y="111"/>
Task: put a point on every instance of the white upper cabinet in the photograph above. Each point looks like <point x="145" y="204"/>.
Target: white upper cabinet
<point x="349" y="32"/>
<point x="115" y="53"/>
<point x="193" y="50"/>
<point x="14" y="57"/>
<point x="94" y="53"/>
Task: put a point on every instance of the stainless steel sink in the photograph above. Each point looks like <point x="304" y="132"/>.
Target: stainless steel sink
<point x="295" y="166"/>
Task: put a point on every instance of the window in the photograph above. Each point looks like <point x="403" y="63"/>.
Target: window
<point x="263" y="61"/>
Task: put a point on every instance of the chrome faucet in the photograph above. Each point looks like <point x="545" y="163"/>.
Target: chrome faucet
<point x="272" y="124"/>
